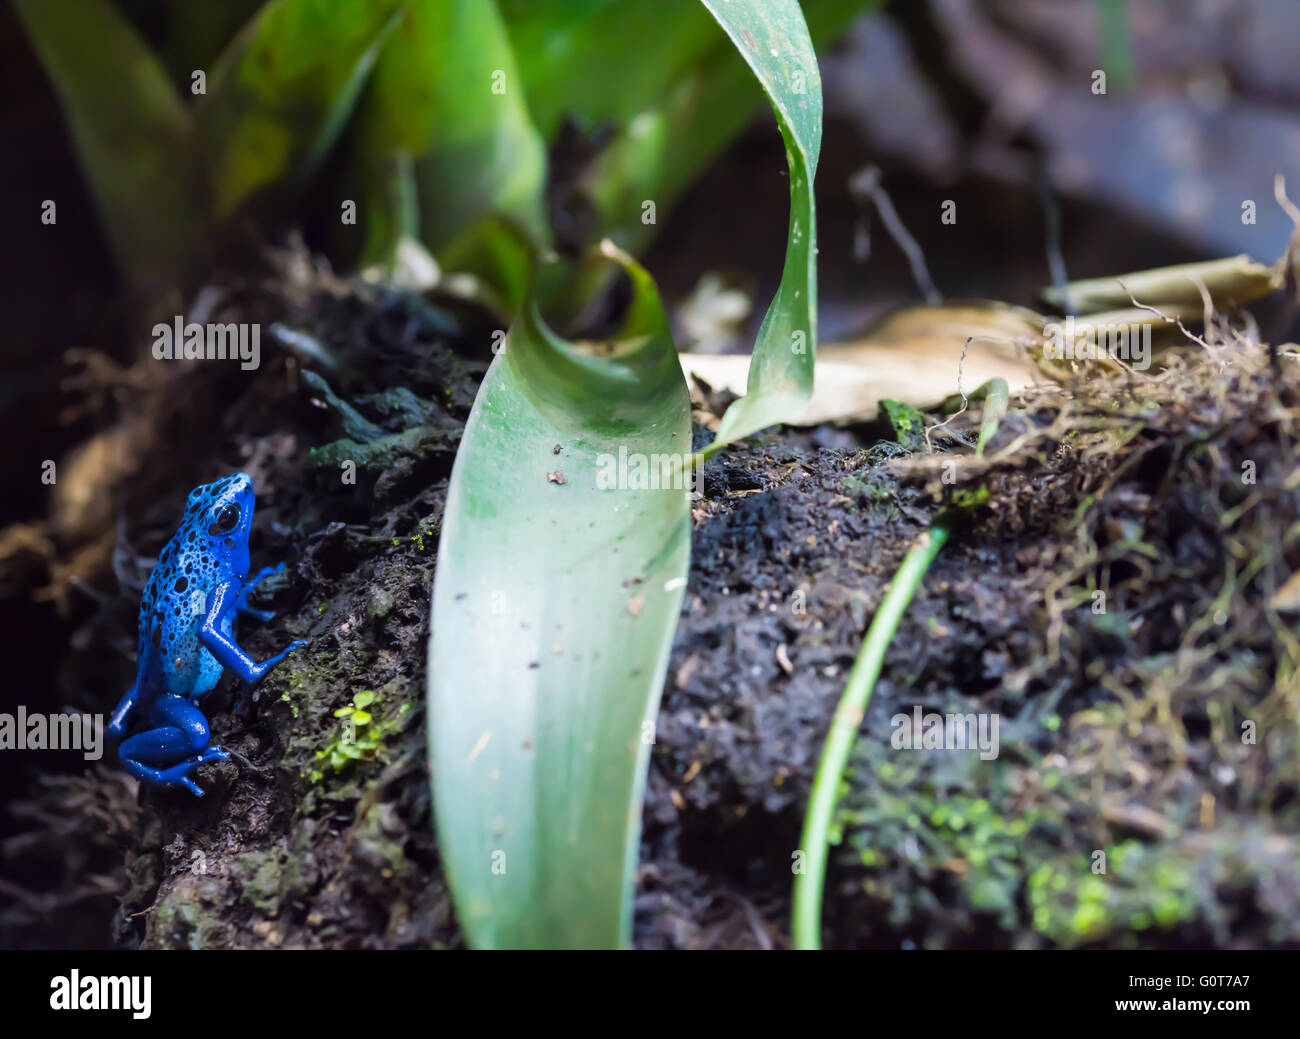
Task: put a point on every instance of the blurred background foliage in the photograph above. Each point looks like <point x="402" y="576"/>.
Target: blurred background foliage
<point x="439" y="117"/>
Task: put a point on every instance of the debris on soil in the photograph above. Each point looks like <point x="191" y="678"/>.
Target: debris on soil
<point x="1106" y="603"/>
<point x="1108" y="607"/>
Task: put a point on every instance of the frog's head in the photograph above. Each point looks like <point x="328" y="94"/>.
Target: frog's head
<point x="221" y="514"/>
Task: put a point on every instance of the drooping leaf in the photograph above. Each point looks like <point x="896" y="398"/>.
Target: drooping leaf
<point x="559" y="580"/>
<point x="282" y="91"/>
<point x="773" y="39"/>
<point x="1230" y="282"/>
<point x="131" y="132"/>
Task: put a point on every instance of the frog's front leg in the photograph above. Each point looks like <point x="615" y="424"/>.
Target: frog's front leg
<point x="179" y="744"/>
<point x="222" y="603"/>
<point x="241" y="604"/>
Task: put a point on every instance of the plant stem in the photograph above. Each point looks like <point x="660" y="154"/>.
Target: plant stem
<point x="806" y="913"/>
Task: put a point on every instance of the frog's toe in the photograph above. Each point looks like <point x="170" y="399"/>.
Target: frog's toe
<point x="213" y="753"/>
<point x="178" y="775"/>
<point x="266" y="571"/>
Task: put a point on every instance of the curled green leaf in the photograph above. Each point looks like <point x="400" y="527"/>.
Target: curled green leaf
<point x="560" y="575"/>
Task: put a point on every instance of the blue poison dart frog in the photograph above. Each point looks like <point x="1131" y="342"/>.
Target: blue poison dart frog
<point x="187" y="635"/>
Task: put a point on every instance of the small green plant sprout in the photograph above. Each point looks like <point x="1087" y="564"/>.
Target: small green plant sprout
<point x="359" y="737"/>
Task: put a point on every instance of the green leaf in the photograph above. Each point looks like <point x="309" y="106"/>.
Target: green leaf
<point x="445" y="96"/>
<point x="390" y="209"/>
<point x="664" y="147"/>
<point x="500" y="253"/>
<point x="196" y="34"/>
<point x="997" y="398"/>
<point x="282" y="91"/>
<point x="1116" y="43"/>
<point x="131" y="132"/>
<point x="555" y="599"/>
<point x="773" y="39"/>
<point x="634" y="49"/>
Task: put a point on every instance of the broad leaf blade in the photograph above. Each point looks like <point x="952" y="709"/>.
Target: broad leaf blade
<point x="282" y="91"/>
<point x="554" y="608"/>
<point x="773" y="39"/>
<point x="130" y="129"/>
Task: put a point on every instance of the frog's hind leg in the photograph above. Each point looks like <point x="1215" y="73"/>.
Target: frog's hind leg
<point x="120" y="720"/>
<point x="179" y="744"/>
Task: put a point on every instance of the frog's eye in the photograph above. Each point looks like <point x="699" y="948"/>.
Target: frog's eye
<point x="227" y="520"/>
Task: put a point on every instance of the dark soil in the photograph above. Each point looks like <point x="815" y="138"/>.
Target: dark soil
<point x="1145" y="791"/>
<point x="1121" y="729"/>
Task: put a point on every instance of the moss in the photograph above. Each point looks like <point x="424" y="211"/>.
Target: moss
<point x="265" y="880"/>
<point x="906" y="830"/>
<point x="907" y="423"/>
<point x="1142" y="887"/>
<point x="182" y="923"/>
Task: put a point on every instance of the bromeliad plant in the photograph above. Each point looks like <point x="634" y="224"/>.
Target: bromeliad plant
<point x="556" y="595"/>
